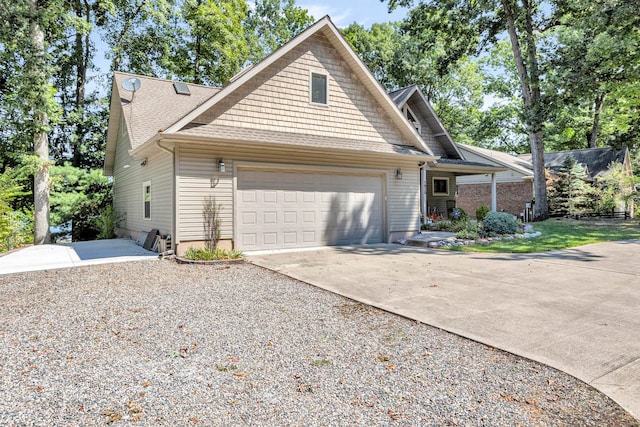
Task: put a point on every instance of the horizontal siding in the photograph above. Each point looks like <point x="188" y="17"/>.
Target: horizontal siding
<point x="198" y="164"/>
<point x="128" y="189"/>
<point x="277" y="99"/>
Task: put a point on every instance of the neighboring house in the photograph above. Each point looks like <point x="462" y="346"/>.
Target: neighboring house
<point x="597" y="163"/>
<point x="515" y="185"/>
<point x="302" y="149"/>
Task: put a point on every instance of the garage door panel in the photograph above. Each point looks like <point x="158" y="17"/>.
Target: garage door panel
<point x="297" y="209"/>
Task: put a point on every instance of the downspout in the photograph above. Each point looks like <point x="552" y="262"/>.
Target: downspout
<point x="423" y="191"/>
<point x="174" y="228"/>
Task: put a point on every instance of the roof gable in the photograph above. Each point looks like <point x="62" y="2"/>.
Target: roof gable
<point x="324" y="31"/>
<point x="436" y="136"/>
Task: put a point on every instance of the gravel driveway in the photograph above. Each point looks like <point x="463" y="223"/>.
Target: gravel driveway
<point x="166" y="344"/>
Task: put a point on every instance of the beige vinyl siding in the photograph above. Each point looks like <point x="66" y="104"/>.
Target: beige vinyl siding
<point x="197" y="178"/>
<point x="504" y="176"/>
<point x="439" y="202"/>
<point x="197" y="165"/>
<point x="277" y="99"/>
<point x="128" y="189"/>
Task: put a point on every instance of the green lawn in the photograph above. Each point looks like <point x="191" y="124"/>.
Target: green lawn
<point x="560" y="234"/>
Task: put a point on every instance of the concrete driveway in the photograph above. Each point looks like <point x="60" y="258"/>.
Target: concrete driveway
<point x="46" y="257"/>
<point x="577" y="310"/>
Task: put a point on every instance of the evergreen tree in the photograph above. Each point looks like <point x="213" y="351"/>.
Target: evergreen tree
<point x="570" y="192"/>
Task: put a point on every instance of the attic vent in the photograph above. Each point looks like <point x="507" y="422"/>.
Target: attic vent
<point x="181" y="88"/>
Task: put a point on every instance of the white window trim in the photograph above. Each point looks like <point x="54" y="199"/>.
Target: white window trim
<point x="144" y="194"/>
<point x="433" y="185"/>
<point x="418" y="126"/>
<point x="320" y="73"/>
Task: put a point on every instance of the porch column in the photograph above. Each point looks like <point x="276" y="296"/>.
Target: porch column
<point x="494" y="202"/>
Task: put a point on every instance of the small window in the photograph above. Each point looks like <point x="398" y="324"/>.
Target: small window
<point x="146" y="194"/>
<point x="440" y="186"/>
<point x="319" y="89"/>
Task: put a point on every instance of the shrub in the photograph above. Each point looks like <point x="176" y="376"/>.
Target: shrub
<point x="499" y="223"/>
<point x="482" y="212"/>
<point x="459" y="215"/>
<point x="211" y="222"/>
<point x="107" y="222"/>
<point x="205" y="254"/>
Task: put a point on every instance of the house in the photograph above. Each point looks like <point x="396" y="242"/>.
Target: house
<point x="515" y="185"/>
<point x="302" y="149"/>
<point x="439" y="176"/>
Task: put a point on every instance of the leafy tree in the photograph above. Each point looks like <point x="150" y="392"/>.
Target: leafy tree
<point x="570" y="193"/>
<point x="615" y="189"/>
<point x="594" y="62"/>
<point x="28" y="28"/>
<point x="271" y="23"/>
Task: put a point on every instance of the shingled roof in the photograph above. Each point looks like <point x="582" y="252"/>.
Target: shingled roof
<point x="157" y="106"/>
<point x="595" y="160"/>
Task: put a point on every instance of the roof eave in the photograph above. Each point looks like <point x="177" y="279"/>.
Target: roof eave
<point x="113" y="127"/>
<point x="182" y="138"/>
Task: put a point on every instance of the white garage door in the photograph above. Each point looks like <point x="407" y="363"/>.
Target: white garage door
<point x="279" y="209"/>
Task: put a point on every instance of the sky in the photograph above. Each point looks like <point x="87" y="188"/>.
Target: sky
<point x="345" y="12"/>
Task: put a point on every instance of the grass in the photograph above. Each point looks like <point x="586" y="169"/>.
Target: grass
<point x="561" y="234"/>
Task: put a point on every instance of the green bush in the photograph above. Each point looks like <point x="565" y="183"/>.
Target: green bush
<point x="482" y="212"/>
<point x="205" y="254"/>
<point x="459" y="215"/>
<point x="499" y="223"/>
<point x="107" y="222"/>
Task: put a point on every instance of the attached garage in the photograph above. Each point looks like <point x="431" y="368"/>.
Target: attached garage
<point x="278" y="209"/>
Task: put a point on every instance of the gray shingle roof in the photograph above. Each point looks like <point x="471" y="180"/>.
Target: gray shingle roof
<point x="156" y="105"/>
<point x="596" y="160"/>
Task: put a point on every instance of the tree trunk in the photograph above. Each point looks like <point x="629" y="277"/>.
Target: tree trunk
<point x="41" y="232"/>
<point x="597" y="109"/>
<point x="531" y="96"/>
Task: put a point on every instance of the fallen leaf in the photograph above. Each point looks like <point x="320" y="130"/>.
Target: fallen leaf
<point x="145" y="384"/>
<point x="382" y="359"/>
<point x="239" y="374"/>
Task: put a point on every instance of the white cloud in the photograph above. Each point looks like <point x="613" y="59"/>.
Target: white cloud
<point x="340" y="18"/>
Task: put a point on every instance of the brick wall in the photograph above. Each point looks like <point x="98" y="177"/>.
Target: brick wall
<point x="511" y="196"/>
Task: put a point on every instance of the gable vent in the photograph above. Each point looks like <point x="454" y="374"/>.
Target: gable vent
<point x="181" y="88"/>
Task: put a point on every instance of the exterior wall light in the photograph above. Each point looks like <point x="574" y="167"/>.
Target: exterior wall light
<point x="398" y="174"/>
<point x="221" y="166"/>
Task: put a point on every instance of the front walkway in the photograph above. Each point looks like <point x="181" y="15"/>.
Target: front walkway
<point x="46" y="257"/>
<point x="575" y="309"/>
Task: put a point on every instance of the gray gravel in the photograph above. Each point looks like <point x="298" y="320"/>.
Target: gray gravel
<point x="165" y="344"/>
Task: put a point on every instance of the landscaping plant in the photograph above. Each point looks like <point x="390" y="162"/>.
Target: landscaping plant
<point x="205" y="254"/>
<point x="499" y="223"/>
<point x="481" y="212"/>
<point x="211" y="222"/>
